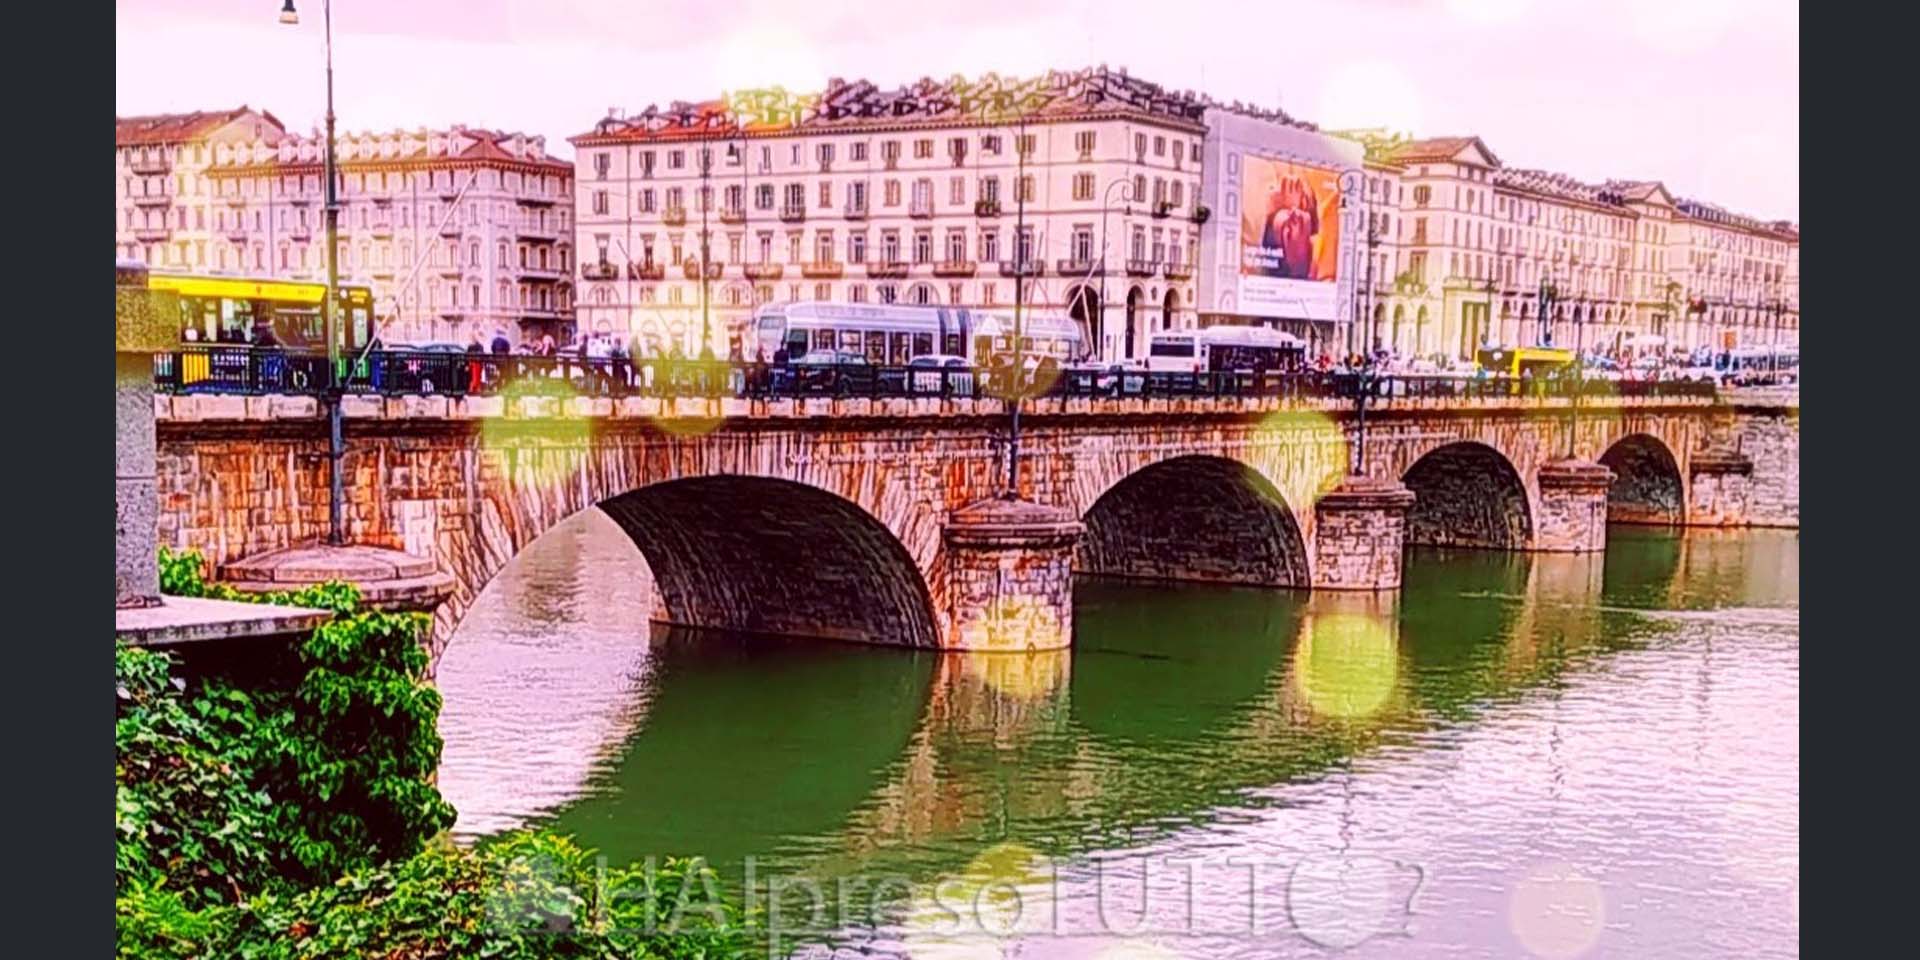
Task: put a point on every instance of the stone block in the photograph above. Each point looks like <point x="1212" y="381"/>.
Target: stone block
<point x="356" y="407"/>
<point x="283" y="407"/>
<point x="1359" y="534"/>
<point x="221" y="406"/>
<point x="731" y="407"/>
<point x="639" y="408"/>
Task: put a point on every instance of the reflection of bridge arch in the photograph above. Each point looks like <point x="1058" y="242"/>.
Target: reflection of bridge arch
<point x="1195" y="518"/>
<point x="1647" y="485"/>
<point x="1469" y="495"/>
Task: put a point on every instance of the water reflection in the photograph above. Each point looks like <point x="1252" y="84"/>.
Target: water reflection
<point x="1503" y="716"/>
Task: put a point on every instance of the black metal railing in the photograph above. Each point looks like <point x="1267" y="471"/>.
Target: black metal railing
<point x="257" y="371"/>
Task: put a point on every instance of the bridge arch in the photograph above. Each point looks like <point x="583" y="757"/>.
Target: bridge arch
<point x="1195" y="517"/>
<point x="1647" y="484"/>
<point x="762" y="555"/>
<point x="1468" y="494"/>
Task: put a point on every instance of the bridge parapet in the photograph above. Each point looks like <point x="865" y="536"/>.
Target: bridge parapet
<point x="195" y="408"/>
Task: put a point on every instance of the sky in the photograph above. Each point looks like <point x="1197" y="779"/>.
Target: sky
<point x="1703" y="95"/>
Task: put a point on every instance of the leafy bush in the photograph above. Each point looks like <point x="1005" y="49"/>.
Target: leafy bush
<point x="298" y="821"/>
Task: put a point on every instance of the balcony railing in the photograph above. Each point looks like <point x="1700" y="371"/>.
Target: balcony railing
<point x="762" y="271"/>
<point x="234" y="200"/>
<point x="887" y="269"/>
<point x="237" y="235"/>
<point x="549" y="272"/>
<point x="152" y="234"/>
<point x="674" y="216"/>
<point x="150" y="165"/>
<point x="1022" y="268"/>
<point x="986" y="208"/>
<point x="792" y="214"/>
<point x="1179" y="271"/>
<point x="733" y="215"/>
<point x="856" y="211"/>
<point x="598" y="271"/>
<point x="537" y="231"/>
<point x="691" y="269"/>
<point x="1073" y="267"/>
<point x="955" y="268"/>
<point x="1142" y="268"/>
<point x="153" y="200"/>
<point x="449" y="228"/>
<point x="920" y="211"/>
<point x="381" y="228"/>
<point x="822" y="269"/>
<point x="647" y="270"/>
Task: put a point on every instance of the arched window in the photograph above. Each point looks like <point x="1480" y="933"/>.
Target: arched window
<point x="474" y="290"/>
<point x="473" y="253"/>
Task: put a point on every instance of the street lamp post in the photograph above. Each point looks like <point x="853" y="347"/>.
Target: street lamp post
<point x="330" y="318"/>
<point x="706" y="252"/>
<point x="1021" y="254"/>
<point x="1106" y="207"/>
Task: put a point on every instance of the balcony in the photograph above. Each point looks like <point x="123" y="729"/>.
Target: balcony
<point x="887" y="269"/>
<point x="762" y="271"/>
<point x="153" y="200"/>
<point x="449" y="193"/>
<point x="539" y="274"/>
<point x="822" y="269"/>
<point x="598" y="271"/>
<point x="674" y="216"/>
<point x="1179" y="271"/>
<point x="381" y="228"/>
<point x="890" y="161"/>
<point x="533" y="200"/>
<point x="921" y="211"/>
<point x="1162" y="209"/>
<point x="955" y="268"/>
<point x="237" y="235"/>
<point x="300" y="234"/>
<point x="733" y="215"/>
<point x="234" y="200"/>
<point x="448" y="228"/>
<point x="647" y="270"/>
<point x="150" y="166"/>
<point x="793" y="214"/>
<point x="691" y="268"/>
<point x="986" y="208"/>
<point x="152" y="234"/>
<point x="536" y="231"/>
<point x="1142" y="268"/>
<point x="1022" y="268"/>
<point x="856" y="211"/>
<point x="1073" y="267"/>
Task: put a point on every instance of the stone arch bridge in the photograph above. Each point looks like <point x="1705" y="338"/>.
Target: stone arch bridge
<point x="881" y="520"/>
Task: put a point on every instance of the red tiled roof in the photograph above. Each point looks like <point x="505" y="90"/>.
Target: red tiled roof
<point x="992" y="98"/>
<point x="1436" y="150"/>
<point x="177" y="127"/>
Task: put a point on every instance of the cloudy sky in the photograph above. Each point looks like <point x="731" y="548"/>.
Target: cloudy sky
<point x="1702" y="94"/>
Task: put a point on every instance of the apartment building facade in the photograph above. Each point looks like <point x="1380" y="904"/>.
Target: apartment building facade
<point x="936" y="193"/>
<point x="164" y="210"/>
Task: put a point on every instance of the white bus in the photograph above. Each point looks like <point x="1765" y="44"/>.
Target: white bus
<point x="890" y="334"/>
<point x="1222" y="348"/>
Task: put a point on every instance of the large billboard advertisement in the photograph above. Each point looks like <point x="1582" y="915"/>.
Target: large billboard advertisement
<point x="1289" y="238"/>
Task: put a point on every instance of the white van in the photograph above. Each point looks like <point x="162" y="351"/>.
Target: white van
<point x="1213" y="349"/>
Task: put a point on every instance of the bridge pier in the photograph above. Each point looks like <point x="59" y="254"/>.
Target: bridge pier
<point x="1721" y="482"/>
<point x="1009" y="577"/>
<point x="1360" y="530"/>
<point x="1573" y="507"/>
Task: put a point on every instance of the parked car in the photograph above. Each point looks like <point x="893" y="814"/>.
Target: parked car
<point x="927" y="377"/>
<point x="833" y="371"/>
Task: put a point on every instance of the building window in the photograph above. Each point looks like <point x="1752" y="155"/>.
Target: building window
<point x="990" y="144"/>
<point x="956" y="245"/>
<point x="990" y="246"/>
<point x="763" y="196"/>
<point x="1023" y="191"/>
<point x="600" y="202"/>
<point x="1422" y="195"/>
<point x="1159" y="146"/>
<point x="890" y="152"/>
<point x="676" y="159"/>
<point x="1083" y="142"/>
<point x="825" y="154"/>
<point x="922" y="246"/>
<point x="826" y="193"/>
<point x="823" y="246"/>
<point x="602" y="162"/>
<point x="922" y="150"/>
<point x="857" y="247"/>
<point x="890" y="246"/>
<point x="893" y="193"/>
<point x="1083" y="243"/>
<point x="857" y="152"/>
<point x="990" y="190"/>
<point x="1023" y="144"/>
<point x="957" y="191"/>
<point x="1083" y="186"/>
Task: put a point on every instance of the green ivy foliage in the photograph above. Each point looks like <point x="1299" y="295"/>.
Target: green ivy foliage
<point x="301" y="821"/>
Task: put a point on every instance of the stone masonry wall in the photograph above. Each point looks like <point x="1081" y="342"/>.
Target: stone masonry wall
<point x="1771" y="439"/>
